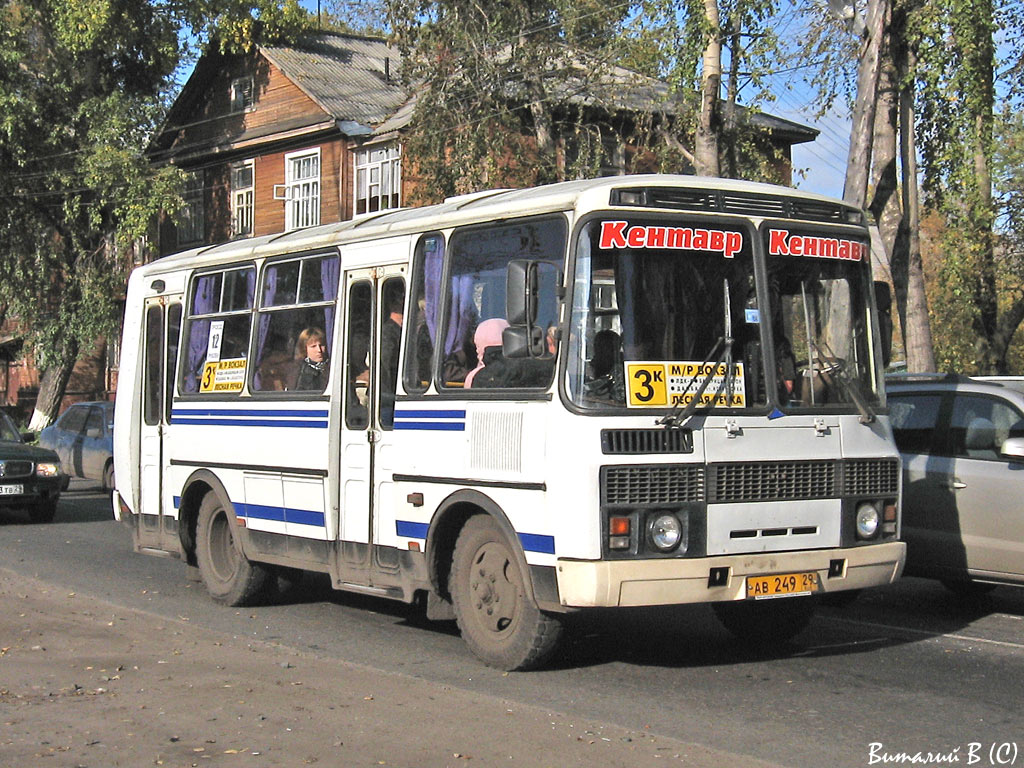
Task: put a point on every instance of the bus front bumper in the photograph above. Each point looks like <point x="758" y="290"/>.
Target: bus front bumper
<point x="594" y="584"/>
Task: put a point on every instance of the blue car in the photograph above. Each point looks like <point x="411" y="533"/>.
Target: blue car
<point x="30" y="477"/>
<point x="83" y="438"/>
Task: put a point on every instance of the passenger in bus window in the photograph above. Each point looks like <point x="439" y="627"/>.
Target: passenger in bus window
<point x="312" y="374"/>
<point x="390" y="343"/>
<point x="488" y="352"/>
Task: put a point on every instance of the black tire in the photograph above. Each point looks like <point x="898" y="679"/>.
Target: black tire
<point x="289" y="582"/>
<point x="43" y="511"/>
<point x="760" y="622"/>
<point x="500" y="621"/>
<point x="108" y="477"/>
<point x="229" y="577"/>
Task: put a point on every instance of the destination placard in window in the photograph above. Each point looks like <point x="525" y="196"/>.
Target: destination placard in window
<point x="661" y="384"/>
<point x="223" y="375"/>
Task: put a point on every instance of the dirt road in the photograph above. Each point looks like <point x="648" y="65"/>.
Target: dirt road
<point x="86" y="683"/>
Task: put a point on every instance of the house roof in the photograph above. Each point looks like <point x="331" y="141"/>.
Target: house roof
<point x="353" y="79"/>
<point x="350" y="78"/>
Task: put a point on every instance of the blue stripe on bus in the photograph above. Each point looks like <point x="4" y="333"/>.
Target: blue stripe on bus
<point x="411" y="530"/>
<point x="248" y="422"/>
<point x="532" y="542"/>
<point x="280" y="514"/>
<point x="430" y="414"/>
<point x="432" y="426"/>
<point x="535" y="542"/>
<point x="317" y="414"/>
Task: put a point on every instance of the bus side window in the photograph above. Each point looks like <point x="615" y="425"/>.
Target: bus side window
<point x="357" y="350"/>
<point x="392" y="308"/>
<point x="424" y="313"/>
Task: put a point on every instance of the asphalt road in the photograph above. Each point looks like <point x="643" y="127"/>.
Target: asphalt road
<point x="907" y="674"/>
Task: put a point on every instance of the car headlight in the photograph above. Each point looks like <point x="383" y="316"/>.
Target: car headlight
<point x="665" y="532"/>
<point x="47" y="470"/>
<point x="868" y="520"/>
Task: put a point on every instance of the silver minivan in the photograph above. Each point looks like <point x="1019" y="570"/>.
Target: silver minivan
<point x="83" y="438"/>
<point x="962" y="444"/>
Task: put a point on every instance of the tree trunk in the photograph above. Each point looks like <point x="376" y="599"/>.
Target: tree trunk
<point x="885" y="205"/>
<point x="705" y="153"/>
<point x="52" y="385"/>
<point x="858" y="164"/>
<point x="917" y="329"/>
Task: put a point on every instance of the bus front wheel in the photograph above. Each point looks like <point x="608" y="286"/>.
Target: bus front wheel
<point x="499" y="620"/>
<point x="230" y="577"/>
<point x="766" y="621"/>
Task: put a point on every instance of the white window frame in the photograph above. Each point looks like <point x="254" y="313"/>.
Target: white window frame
<point x="241" y="94"/>
<point x="302" y="189"/>
<point x="191" y="221"/>
<point x="378" y="178"/>
<point x="243" y="200"/>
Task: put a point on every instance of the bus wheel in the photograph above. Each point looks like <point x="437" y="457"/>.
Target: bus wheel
<point x="108" y="477"/>
<point x="229" y="576"/>
<point x="766" y="621"/>
<point x="500" y="623"/>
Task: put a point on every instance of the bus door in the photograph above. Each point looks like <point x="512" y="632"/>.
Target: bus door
<point x="157" y="523"/>
<point x="374" y="305"/>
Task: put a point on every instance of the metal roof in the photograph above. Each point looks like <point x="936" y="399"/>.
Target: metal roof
<point x="352" y="78"/>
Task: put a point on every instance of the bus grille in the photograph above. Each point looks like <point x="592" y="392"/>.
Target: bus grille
<point x="752" y="204"/>
<point x="773" y="481"/>
<point x="15" y="468"/>
<point x="653" y="485"/>
<point x="871" y="477"/>
<point x="634" y="441"/>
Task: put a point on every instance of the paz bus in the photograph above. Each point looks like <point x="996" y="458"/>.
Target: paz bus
<point x="517" y="404"/>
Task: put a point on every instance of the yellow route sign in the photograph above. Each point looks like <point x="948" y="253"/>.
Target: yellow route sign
<point x="223" y="375"/>
<point x="661" y="384"/>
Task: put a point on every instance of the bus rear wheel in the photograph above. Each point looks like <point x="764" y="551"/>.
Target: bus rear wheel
<point x="499" y="620"/>
<point x="230" y="577"/>
<point x="766" y="621"/>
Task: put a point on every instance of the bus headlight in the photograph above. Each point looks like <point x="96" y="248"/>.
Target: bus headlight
<point x="868" y="520"/>
<point x="665" y="532"/>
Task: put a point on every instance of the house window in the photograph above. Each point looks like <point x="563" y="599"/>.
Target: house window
<point x="241" y="94"/>
<point x="302" y="189"/>
<point x="190" y="218"/>
<point x="378" y="178"/>
<point x="242" y="198"/>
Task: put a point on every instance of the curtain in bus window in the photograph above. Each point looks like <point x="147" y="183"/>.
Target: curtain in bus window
<point x="330" y="271"/>
<point x="205" y="300"/>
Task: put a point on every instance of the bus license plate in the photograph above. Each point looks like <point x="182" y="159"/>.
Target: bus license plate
<point x="11" y="490"/>
<point x="782" y="585"/>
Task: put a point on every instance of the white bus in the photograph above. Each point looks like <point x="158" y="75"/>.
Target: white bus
<point x="631" y="391"/>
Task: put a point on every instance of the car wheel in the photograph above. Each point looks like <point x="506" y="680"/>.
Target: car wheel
<point x="499" y="620"/>
<point x="43" y="511"/>
<point x="108" y="477"/>
<point x="229" y="576"/>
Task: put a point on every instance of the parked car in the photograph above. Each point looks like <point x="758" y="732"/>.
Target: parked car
<point x="962" y="443"/>
<point x="83" y="438"/>
<point x="30" y="477"/>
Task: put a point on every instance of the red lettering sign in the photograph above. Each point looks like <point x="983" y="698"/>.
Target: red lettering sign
<point x="783" y="243"/>
<point x="614" y="234"/>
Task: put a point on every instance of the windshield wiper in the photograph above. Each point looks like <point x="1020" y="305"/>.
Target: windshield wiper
<point x="674" y="419"/>
<point x="837" y="372"/>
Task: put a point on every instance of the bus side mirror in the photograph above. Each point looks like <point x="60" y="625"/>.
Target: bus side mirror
<point x="522" y="286"/>
<point x="883" y="300"/>
<point x="518" y="341"/>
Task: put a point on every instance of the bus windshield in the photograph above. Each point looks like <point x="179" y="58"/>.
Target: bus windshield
<point x="818" y="287"/>
<point x="661" y="308"/>
<point x="667" y="311"/>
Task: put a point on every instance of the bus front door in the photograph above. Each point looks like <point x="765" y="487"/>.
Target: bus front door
<point x="157" y="528"/>
<point x="374" y="311"/>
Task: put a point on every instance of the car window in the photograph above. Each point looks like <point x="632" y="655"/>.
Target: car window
<point x="980" y="424"/>
<point x="94" y="421"/>
<point x="8" y="432"/>
<point x="73" y="420"/>
<point x="914" y="420"/>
